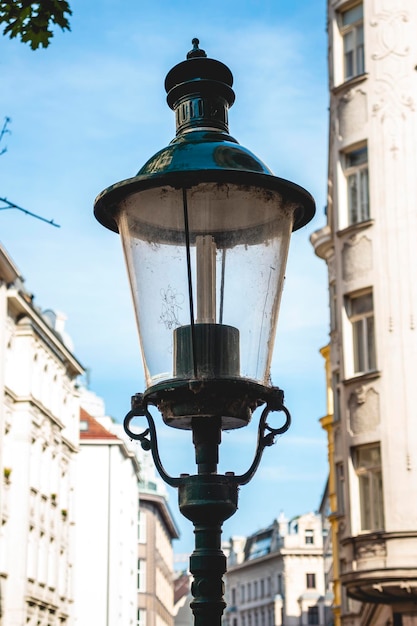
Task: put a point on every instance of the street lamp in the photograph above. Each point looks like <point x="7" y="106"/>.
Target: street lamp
<point x="205" y="228"/>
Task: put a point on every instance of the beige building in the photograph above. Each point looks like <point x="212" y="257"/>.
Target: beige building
<point x="157" y="530"/>
<point x="275" y="577"/>
<point x="369" y="245"/>
<point x="39" y="411"/>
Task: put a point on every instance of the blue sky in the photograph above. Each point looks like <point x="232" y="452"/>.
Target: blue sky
<point x="89" y="111"/>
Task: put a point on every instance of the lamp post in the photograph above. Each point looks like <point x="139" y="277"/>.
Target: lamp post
<point x="205" y="228"/>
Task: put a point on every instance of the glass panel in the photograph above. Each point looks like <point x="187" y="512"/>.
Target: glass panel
<point x="358" y="347"/>
<point x="368" y="457"/>
<point x="352" y="15"/>
<point x="348" y="46"/>
<point x="353" y="198"/>
<point x="365" y="497"/>
<point x="360" y="50"/>
<point x="339" y="487"/>
<point x="370" y="335"/>
<point x="357" y="157"/>
<point x="333" y="306"/>
<point x="361" y="304"/>
<point x="336" y="396"/>
<point x="379" y="502"/>
<point x="364" y="194"/>
<point x="238" y="245"/>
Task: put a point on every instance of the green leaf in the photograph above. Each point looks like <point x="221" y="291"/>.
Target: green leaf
<point x="32" y="21"/>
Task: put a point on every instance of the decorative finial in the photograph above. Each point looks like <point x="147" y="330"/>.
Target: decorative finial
<point x="196" y="52"/>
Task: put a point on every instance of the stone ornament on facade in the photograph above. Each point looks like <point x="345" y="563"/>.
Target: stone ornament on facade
<point x="356" y="257"/>
<point x="369" y="549"/>
<point x="391" y="34"/>
<point x="363" y="410"/>
<point x="393" y="37"/>
<point x="352" y="112"/>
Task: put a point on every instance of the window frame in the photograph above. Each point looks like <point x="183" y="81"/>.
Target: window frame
<point x="362" y="324"/>
<point x="141" y="617"/>
<point x="142" y="525"/>
<point x="370" y="486"/>
<point x="340" y="487"/>
<point x="311" y="580"/>
<point x="313" y="617"/>
<point x="357" y="184"/>
<point x="354" y="56"/>
<point x="141" y="576"/>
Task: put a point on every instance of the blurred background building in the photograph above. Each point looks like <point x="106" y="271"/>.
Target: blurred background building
<point x="275" y="576"/>
<point x="86" y="532"/>
<point x="39" y="417"/>
<point x="154" y="528"/>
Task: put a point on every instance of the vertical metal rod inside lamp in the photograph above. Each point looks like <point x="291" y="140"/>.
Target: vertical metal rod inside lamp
<point x="190" y="280"/>
<point x="206" y="279"/>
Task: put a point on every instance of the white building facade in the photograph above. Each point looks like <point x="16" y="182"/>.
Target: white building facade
<point x="275" y="577"/>
<point x="148" y="588"/>
<point x="156" y="532"/>
<point x="39" y="409"/>
<point x="369" y="245"/>
<point x="107" y="528"/>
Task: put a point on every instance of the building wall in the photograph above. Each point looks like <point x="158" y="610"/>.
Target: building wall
<point x="106" y="529"/>
<point x="155" y="532"/>
<point x="156" y="599"/>
<point x="276" y="576"/>
<point x="369" y="247"/>
<point x="329" y="507"/>
<point x="39" y="439"/>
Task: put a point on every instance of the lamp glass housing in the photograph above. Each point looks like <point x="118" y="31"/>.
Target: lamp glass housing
<point x="206" y="264"/>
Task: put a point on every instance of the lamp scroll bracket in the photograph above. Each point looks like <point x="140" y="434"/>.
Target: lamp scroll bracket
<point x="148" y="439"/>
<point x="266" y="433"/>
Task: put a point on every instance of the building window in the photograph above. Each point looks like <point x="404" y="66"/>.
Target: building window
<point x="255" y="590"/>
<point x="249" y="592"/>
<point x="233" y="596"/>
<point x="313" y="615"/>
<point x="355" y="167"/>
<point x="279" y="584"/>
<point x="340" y="487"/>
<point x="336" y="396"/>
<point x="309" y="536"/>
<point x="141" y="618"/>
<point x="242" y="593"/>
<point x="141" y="526"/>
<point x="141" y="575"/>
<point x="262" y="588"/>
<point x="361" y="316"/>
<point x="311" y="581"/>
<point x="333" y="306"/>
<point x="351" y="28"/>
<point x="367" y="463"/>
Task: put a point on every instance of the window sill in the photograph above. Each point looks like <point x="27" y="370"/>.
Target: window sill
<point x="362" y="377"/>
<point x="348" y="84"/>
<point x="355" y="227"/>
